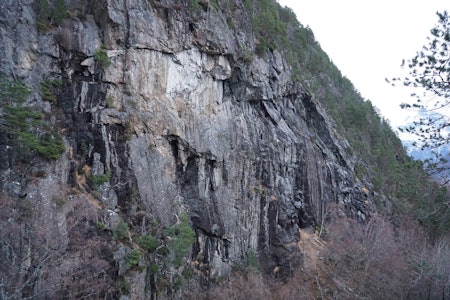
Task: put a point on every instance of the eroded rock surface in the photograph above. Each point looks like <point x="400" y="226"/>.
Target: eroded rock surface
<point x="178" y="122"/>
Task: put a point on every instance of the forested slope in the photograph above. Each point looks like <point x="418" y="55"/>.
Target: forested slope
<point x="200" y="149"/>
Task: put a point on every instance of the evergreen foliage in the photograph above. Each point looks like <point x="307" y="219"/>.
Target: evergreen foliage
<point x="101" y="56"/>
<point x="252" y="262"/>
<point x="50" y="89"/>
<point x="59" y="13"/>
<point x="182" y="238"/>
<point x="97" y="180"/>
<point x="429" y="74"/>
<point x="269" y="29"/>
<point x="23" y="124"/>
<point x="429" y="70"/>
<point x="132" y="258"/>
<point x="124" y="286"/>
<point x="382" y="160"/>
<point x="148" y="243"/>
<point x="49" y="14"/>
<point x="195" y="5"/>
<point x="121" y="232"/>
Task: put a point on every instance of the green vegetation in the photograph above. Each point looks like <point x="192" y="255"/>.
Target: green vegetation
<point x="270" y="31"/>
<point x="277" y="27"/>
<point x="50" y="89"/>
<point x="260" y="190"/>
<point x="182" y="238"/>
<point x="49" y="14"/>
<point x="121" y="232"/>
<point x="101" y="57"/>
<point x="381" y="157"/>
<point x="424" y="199"/>
<point x="133" y="258"/>
<point x="321" y="230"/>
<point x="247" y="55"/>
<point x="154" y="268"/>
<point x="195" y="5"/>
<point x="13" y="91"/>
<point x="214" y="4"/>
<point x="101" y="226"/>
<point x="24" y="124"/>
<point x="135" y="194"/>
<point x="59" y="13"/>
<point x="124" y="286"/>
<point x="429" y="71"/>
<point x="252" y="262"/>
<point x="110" y="102"/>
<point x="60" y="201"/>
<point x="148" y="243"/>
<point x="25" y="208"/>
<point x="97" y="180"/>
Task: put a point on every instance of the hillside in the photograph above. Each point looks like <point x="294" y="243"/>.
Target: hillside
<point x="200" y="149"/>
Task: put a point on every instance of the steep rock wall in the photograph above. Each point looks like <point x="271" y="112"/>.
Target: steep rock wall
<point x="182" y="120"/>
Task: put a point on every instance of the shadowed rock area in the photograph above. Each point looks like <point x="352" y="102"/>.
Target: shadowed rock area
<point x="162" y="114"/>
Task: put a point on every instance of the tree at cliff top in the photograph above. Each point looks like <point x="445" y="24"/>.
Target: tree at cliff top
<point x="429" y="71"/>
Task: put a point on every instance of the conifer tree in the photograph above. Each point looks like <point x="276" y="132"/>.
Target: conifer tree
<point x="429" y="72"/>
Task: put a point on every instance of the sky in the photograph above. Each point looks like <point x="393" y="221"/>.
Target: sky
<point x="367" y="41"/>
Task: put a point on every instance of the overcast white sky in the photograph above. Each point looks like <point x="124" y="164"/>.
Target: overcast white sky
<point x="367" y="41"/>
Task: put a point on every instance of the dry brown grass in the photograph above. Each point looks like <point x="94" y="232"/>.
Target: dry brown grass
<point x="376" y="260"/>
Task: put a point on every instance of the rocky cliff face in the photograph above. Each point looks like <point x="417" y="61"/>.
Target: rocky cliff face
<point x="180" y="117"/>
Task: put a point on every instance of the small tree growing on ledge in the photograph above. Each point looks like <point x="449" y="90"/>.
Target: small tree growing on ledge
<point x="182" y="238"/>
<point x="49" y="14"/>
<point x="23" y="124"/>
<point x="101" y="56"/>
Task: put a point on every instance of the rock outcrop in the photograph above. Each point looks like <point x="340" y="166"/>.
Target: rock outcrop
<point x="176" y="118"/>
